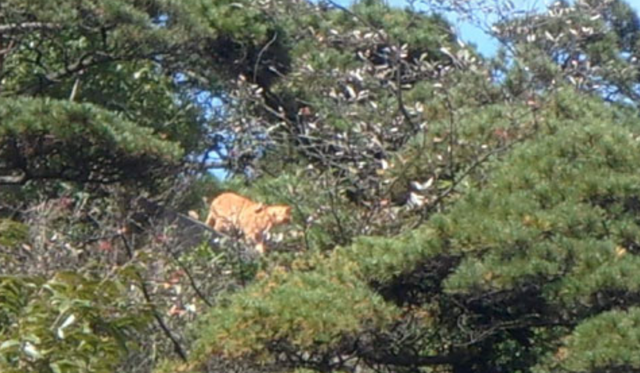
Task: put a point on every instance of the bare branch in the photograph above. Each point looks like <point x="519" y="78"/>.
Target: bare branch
<point x="156" y="314"/>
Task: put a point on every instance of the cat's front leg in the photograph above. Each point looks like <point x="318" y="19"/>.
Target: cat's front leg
<point x="211" y="220"/>
<point x="260" y="248"/>
<point x="258" y="240"/>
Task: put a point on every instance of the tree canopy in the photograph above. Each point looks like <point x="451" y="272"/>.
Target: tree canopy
<point x="452" y="212"/>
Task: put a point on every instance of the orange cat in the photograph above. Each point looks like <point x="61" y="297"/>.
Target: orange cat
<point x="231" y="211"/>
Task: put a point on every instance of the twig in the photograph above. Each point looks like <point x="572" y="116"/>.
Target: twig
<point x="74" y="90"/>
<point x="337" y="218"/>
<point x="452" y="134"/>
<point x="147" y="296"/>
<point x="264" y="49"/>
<point x="84" y="62"/>
<point x="482" y="159"/>
<point x="188" y="274"/>
<point x="396" y="60"/>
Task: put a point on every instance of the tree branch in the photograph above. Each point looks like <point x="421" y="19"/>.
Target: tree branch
<point x="187" y="272"/>
<point x="397" y="61"/>
<point x="147" y="296"/>
<point x="83" y="63"/>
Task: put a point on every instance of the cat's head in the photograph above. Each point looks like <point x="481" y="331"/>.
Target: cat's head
<point x="280" y="214"/>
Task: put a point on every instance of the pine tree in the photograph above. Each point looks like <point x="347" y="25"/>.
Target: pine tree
<point x="451" y="212"/>
<point x="519" y="275"/>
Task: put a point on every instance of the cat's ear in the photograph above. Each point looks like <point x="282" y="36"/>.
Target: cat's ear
<point x="259" y="208"/>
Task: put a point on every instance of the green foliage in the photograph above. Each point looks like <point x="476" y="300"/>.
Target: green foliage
<point x="78" y="142"/>
<point x="77" y="27"/>
<point x="557" y="215"/>
<point x="552" y="189"/>
<point x="450" y="214"/>
<point x="12" y="233"/>
<point x="606" y="342"/>
<point x="405" y="26"/>
<point x="70" y="323"/>
<point x="118" y="55"/>
<point x="327" y="310"/>
<point x="66" y="121"/>
<point x="477" y="128"/>
<point x="151" y="100"/>
<point x="237" y="18"/>
<point x="595" y="53"/>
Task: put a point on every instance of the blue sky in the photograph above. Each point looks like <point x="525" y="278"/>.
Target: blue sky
<point x="470" y="33"/>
